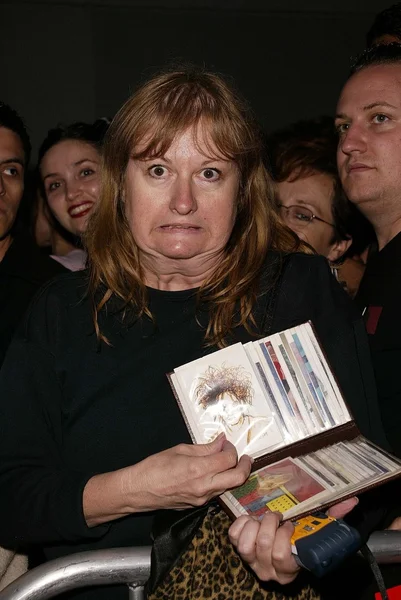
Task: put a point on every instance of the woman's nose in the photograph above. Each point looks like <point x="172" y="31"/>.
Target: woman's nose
<point x="73" y="189"/>
<point x="183" y="199"/>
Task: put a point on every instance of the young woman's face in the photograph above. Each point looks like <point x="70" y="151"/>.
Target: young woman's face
<point x="70" y="172"/>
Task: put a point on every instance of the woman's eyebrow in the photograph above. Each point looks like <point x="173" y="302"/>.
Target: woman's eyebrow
<point x="79" y="162"/>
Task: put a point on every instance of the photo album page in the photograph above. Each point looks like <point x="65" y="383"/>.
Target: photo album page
<point x="276" y="393"/>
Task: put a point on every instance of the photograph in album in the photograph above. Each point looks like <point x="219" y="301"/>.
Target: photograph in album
<point x="277" y="487"/>
<point x="221" y="393"/>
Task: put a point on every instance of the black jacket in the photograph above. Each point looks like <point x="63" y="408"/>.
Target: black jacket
<point x="22" y="271"/>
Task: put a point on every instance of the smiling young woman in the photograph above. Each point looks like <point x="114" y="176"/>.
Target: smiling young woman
<point x="69" y="168"/>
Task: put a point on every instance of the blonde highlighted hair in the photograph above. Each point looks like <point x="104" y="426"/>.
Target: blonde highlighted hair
<point x="145" y="127"/>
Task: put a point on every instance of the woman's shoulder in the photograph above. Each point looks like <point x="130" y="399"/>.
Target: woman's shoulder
<point x="305" y="287"/>
<point x="70" y="285"/>
<point x="296" y="258"/>
<point x="295" y="266"/>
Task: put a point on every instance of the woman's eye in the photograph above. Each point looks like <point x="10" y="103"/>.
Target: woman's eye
<point x="380" y="118"/>
<point x="211" y="174"/>
<point x="301" y="217"/>
<point x="87" y="172"/>
<point x="53" y="186"/>
<point x="157" y="171"/>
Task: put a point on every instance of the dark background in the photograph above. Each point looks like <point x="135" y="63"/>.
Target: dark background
<point x="80" y="59"/>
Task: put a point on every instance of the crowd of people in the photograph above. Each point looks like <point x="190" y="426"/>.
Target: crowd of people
<point x="176" y="229"/>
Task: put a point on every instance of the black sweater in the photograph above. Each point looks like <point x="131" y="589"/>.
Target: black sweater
<point x="22" y="271"/>
<point x="70" y="409"/>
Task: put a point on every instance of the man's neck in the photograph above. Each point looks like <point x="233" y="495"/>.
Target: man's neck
<point x="5" y="243"/>
<point x="385" y="232"/>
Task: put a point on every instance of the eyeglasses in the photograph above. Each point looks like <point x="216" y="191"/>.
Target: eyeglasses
<point x="301" y="216"/>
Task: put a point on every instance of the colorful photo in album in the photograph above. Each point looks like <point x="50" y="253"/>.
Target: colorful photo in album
<point x="277" y="487"/>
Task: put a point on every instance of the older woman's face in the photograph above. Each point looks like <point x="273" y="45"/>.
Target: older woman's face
<point x="182" y="206"/>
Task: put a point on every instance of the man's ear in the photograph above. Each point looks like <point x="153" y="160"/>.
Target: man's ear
<point x="338" y="249"/>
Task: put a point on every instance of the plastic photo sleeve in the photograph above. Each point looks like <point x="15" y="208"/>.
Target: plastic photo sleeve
<point x="278" y="487"/>
<point x="221" y="393"/>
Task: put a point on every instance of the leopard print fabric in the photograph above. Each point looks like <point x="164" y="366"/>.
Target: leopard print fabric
<point x="211" y="569"/>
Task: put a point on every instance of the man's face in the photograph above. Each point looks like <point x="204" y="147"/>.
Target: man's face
<point x="369" y="151"/>
<point x="12" y="160"/>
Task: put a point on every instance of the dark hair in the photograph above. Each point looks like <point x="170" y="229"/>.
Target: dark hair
<point x="10" y="119"/>
<point x="386" y="22"/>
<point x="308" y="147"/>
<point x="383" y="54"/>
<point x="91" y="133"/>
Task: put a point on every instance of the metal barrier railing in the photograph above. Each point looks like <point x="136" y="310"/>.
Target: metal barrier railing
<point x="385" y="546"/>
<point x="98" y="567"/>
<point x="131" y="566"/>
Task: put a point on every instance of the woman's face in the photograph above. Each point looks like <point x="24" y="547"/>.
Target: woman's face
<point x="181" y="207"/>
<point x="314" y="192"/>
<point x="70" y="172"/>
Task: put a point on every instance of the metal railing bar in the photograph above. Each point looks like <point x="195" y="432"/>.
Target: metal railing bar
<point x="131" y="566"/>
<point x="97" y="567"/>
<point x="386" y="546"/>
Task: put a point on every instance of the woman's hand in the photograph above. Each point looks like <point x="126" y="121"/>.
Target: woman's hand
<point x="266" y="545"/>
<point x="186" y="475"/>
<point x="180" y="477"/>
<point x="338" y="511"/>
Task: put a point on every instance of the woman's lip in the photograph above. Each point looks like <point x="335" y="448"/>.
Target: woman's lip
<point x="179" y="227"/>
<point x="80" y="210"/>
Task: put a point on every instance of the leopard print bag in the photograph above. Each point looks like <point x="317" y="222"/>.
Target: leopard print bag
<point x="210" y="568"/>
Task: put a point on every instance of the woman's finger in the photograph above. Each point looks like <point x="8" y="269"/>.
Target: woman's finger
<point x="342" y="508"/>
<point x="236" y="528"/>
<point x="233" y="477"/>
<point x="246" y="543"/>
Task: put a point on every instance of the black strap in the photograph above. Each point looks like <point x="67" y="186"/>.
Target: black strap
<point x="369" y="557"/>
<point x="276" y="274"/>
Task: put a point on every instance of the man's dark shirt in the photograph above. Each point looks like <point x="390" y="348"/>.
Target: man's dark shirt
<point x="379" y="298"/>
<point x="22" y="271"/>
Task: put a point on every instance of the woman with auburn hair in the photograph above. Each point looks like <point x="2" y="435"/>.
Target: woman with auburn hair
<point x="185" y="256"/>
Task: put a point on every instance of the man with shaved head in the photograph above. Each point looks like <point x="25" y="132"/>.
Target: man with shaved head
<point x="368" y="121"/>
<point x="369" y="160"/>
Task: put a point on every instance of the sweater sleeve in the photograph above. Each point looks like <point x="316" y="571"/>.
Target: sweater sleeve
<point x="41" y="498"/>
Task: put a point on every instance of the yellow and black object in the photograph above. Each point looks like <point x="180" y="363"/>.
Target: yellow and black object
<point x="320" y="543"/>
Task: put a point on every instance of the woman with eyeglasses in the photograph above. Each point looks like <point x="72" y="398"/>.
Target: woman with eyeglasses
<point x="310" y="198"/>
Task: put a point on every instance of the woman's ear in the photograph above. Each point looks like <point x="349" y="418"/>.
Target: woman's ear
<point x="338" y="249"/>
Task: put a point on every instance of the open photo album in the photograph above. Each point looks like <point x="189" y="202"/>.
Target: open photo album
<point x="277" y="400"/>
